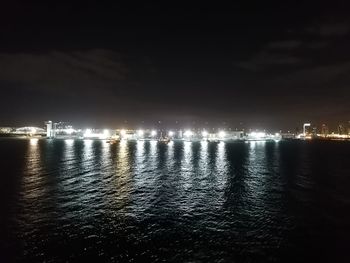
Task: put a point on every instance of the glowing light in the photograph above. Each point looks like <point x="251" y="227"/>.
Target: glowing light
<point x="69" y="130"/>
<point x="88" y="142"/>
<point x="171" y="133"/>
<point x="88" y="133"/>
<point x="205" y="134"/>
<point x="104" y="135"/>
<point x="188" y="133"/>
<point x="123" y="133"/>
<point x="153" y="133"/>
<point x="304" y="127"/>
<point x="222" y="134"/>
<point x="33" y="141"/>
<point x="257" y="135"/>
<point x="69" y="142"/>
<point x="140" y="133"/>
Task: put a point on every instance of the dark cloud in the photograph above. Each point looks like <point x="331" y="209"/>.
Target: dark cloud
<point x="309" y="45"/>
<point x="317" y="81"/>
<point x="287" y="44"/>
<point x="316" y="44"/>
<point x="275" y="54"/>
<point x="59" y="72"/>
<point x="330" y="30"/>
<point x="266" y="60"/>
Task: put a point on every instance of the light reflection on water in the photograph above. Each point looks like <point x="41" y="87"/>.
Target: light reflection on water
<point x="235" y="196"/>
<point x="33" y="185"/>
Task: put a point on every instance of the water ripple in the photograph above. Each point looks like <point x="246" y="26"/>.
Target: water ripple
<point x="182" y="201"/>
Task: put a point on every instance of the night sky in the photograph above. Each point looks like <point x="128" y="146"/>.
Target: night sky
<point x="274" y="64"/>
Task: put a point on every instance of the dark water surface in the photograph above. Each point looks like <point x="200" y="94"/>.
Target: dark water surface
<point x="65" y="200"/>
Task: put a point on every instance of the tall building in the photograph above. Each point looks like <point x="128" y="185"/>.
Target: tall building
<point x="51" y="129"/>
<point x="314" y="131"/>
<point x="324" y="130"/>
<point x="341" y="129"/>
<point x="48" y="129"/>
<point x="306" y="128"/>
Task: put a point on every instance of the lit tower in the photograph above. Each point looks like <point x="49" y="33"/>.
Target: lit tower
<point x="49" y="129"/>
<point x="304" y="128"/>
<point x="324" y="130"/>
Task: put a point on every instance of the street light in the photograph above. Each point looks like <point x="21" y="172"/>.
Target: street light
<point x="222" y="134"/>
<point x="188" y="133"/>
<point x="140" y="133"/>
<point x="123" y="133"/>
<point x="204" y="134"/>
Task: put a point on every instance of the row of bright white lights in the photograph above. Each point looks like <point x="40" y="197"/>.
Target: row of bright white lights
<point x="88" y="134"/>
<point x="262" y="134"/>
<point x="153" y="133"/>
<point x="69" y="130"/>
<point x="187" y="133"/>
<point x="257" y="134"/>
<point x="141" y="133"/>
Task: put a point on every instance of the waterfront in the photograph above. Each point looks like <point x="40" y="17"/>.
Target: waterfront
<point x="183" y="201"/>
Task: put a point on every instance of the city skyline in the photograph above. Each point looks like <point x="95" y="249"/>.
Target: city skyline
<point x="65" y="130"/>
<point x="343" y="127"/>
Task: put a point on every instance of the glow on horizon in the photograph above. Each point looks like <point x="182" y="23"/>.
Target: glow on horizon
<point x="140" y="133"/>
<point x="257" y="135"/>
<point x="222" y="134"/>
<point x="188" y="133"/>
<point x="87" y="133"/>
<point x="69" y="130"/>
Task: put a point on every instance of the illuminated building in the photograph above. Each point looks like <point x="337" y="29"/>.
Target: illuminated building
<point x="5" y="130"/>
<point x="324" y="130"/>
<point x="305" y="130"/>
<point x="49" y="129"/>
<point x="314" y="131"/>
<point x="235" y="135"/>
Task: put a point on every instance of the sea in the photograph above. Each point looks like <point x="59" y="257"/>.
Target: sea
<point x="148" y="201"/>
